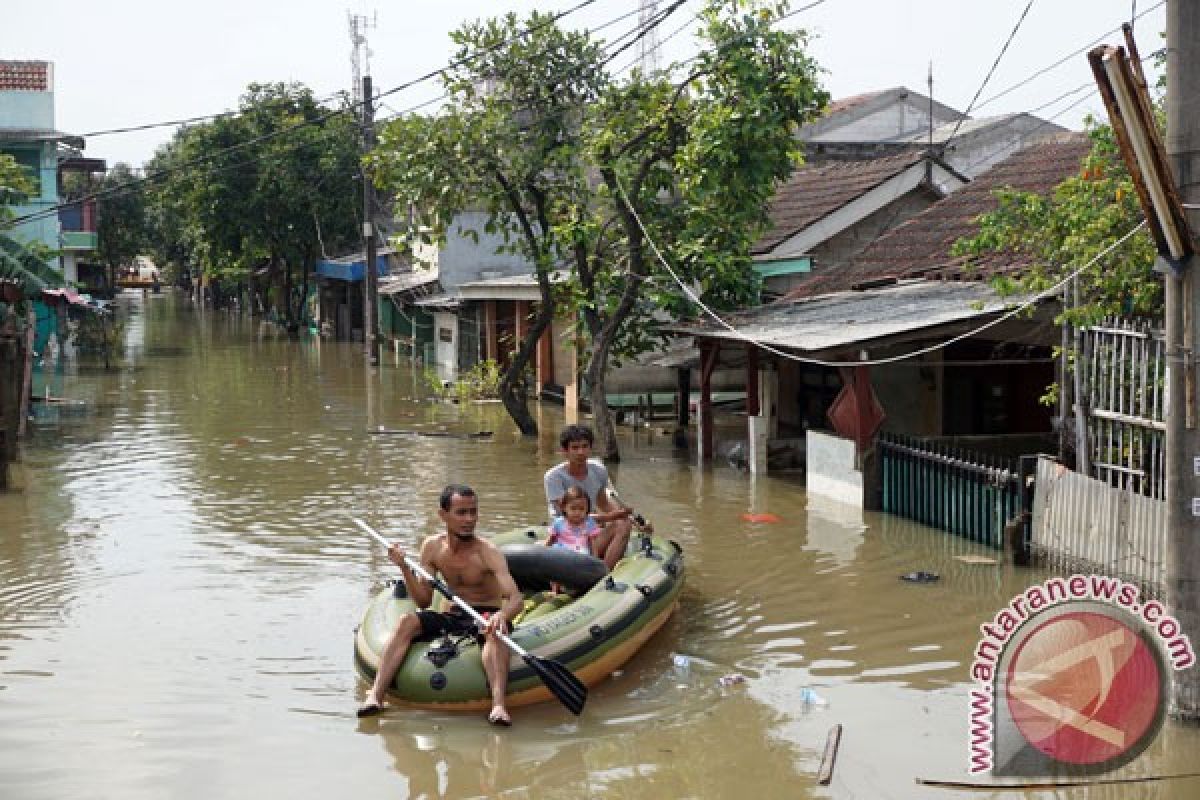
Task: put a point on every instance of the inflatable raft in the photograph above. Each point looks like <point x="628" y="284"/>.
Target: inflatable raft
<point x="592" y="634"/>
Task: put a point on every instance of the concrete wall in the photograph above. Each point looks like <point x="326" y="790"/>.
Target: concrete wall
<point x="831" y="471"/>
<point x="909" y="392"/>
<point x="26" y="109"/>
<point x="462" y="259"/>
<point x="905" y="116"/>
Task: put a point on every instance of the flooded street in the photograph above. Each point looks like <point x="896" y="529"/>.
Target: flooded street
<point x="180" y="582"/>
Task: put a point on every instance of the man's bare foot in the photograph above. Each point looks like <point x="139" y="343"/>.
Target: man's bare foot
<point x="370" y="708"/>
<point x="499" y="716"/>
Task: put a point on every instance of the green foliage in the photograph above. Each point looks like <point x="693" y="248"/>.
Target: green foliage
<point x="27" y="265"/>
<point x="1068" y="228"/>
<point x="481" y="382"/>
<point x="561" y="155"/>
<point x="120" y="219"/>
<point x="274" y="185"/>
<point x="15" y="185"/>
<point x="101" y="333"/>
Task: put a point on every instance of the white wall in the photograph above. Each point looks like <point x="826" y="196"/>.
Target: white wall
<point x="447" y="352"/>
<point x="831" y="471"/>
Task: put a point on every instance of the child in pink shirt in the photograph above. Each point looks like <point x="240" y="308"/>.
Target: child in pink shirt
<point x="576" y="529"/>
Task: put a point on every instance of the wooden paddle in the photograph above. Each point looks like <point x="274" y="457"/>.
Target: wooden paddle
<point x="569" y="690"/>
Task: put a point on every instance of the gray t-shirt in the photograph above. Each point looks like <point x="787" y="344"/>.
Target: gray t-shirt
<point x="558" y="480"/>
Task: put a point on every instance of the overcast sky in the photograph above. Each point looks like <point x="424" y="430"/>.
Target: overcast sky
<point x="127" y="62"/>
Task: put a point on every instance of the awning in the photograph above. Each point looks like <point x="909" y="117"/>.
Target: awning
<point x="407" y="281"/>
<point x="351" y="268"/>
<point x="833" y="322"/>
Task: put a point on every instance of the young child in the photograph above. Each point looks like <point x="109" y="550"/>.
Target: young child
<point x="576" y="528"/>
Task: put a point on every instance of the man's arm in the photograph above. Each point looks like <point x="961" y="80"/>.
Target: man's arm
<point x="420" y="590"/>
<point x="510" y="595"/>
<point x="554" y="491"/>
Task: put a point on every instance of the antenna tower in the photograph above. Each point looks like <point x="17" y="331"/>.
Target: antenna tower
<point x="360" y="53"/>
<point x="648" y="44"/>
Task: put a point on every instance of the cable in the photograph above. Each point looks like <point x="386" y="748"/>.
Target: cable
<point x="1064" y="59"/>
<point x="871" y="362"/>
<point x="185" y="121"/>
<point x="53" y="210"/>
<point x="990" y="72"/>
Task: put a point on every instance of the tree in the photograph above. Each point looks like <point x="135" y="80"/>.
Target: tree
<point x="15" y="185"/>
<point x="688" y="170"/>
<point x="120" y="220"/>
<point x="508" y="142"/>
<point x="585" y="171"/>
<point x="270" y="186"/>
<point x="1065" y="230"/>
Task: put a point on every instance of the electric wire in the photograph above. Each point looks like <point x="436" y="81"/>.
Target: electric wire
<point x="687" y="290"/>
<point x="53" y="210"/>
<point x="970" y="107"/>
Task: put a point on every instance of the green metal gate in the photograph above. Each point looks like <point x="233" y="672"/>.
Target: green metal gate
<point x="972" y="495"/>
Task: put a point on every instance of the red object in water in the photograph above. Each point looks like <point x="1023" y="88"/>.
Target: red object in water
<point x="749" y="517"/>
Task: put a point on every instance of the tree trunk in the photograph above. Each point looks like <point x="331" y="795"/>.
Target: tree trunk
<point x="513" y="391"/>
<point x="603" y="424"/>
<point x="303" y="290"/>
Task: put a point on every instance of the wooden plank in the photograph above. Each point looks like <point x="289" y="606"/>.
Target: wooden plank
<point x="832" y="741"/>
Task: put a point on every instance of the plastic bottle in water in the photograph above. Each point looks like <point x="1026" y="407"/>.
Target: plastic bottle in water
<point x="810" y="699"/>
<point x="683" y="665"/>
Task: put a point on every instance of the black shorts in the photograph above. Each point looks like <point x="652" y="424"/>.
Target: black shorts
<point x="454" y="622"/>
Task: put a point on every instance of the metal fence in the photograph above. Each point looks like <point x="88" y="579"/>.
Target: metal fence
<point x="973" y="495"/>
<point x="1080" y="524"/>
<point x="1121" y="376"/>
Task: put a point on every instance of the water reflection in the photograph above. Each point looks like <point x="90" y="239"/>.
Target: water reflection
<point x="179" y="582"/>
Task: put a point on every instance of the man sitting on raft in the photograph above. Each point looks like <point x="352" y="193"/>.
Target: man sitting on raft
<point x="591" y="476"/>
<point x="477" y="572"/>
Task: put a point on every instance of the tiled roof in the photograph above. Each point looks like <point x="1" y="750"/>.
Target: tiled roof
<point x="818" y="190"/>
<point x="920" y="247"/>
<point x="25" y="75"/>
<point x="853" y="101"/>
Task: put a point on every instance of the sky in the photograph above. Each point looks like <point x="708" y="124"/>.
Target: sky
<point x="122" y="63"/>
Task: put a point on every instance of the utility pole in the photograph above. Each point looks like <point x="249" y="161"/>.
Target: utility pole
<point x="1183" y="339"/>
<point x="364" y="100"/>
<point x="370" y="278"/>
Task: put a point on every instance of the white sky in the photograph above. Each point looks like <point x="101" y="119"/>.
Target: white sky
<point x="128" y="62"/>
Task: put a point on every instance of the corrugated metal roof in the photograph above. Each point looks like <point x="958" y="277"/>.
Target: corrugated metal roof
<point x="851" y="318"/>
<point x="406" y="281"/>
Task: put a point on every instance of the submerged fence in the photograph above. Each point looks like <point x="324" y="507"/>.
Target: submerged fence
<point x="973" y="495"/>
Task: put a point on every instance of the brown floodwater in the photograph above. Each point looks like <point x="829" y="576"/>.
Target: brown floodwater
<point x="180" y="581"/>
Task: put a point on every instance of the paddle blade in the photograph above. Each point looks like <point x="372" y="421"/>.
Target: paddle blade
<point x="569" y="690"/>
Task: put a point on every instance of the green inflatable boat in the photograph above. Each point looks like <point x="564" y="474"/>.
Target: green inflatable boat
<point x="592" y="634"/>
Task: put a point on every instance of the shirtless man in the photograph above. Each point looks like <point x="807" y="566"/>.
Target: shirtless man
<point x="591" y="475"/>
<point x="477" y="572"/>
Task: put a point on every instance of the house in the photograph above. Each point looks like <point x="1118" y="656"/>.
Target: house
<point x="834" y="352"/>
<point x="28" y="134"/>
<point x="897" y="120"/>
<point x="854" y="126"/>
<point x="339" y="291"/>
<point x="467" y="299"/>
<point x="828" y="212"/>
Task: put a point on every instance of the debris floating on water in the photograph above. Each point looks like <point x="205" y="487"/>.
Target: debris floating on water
<point x="811" y="699"/>
<point x="732" y="679"/>
<point x="763" y="517"/>
<point x="920" y="577"/>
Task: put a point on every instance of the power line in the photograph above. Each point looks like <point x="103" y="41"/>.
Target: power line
<point x="1012" y="35"/>
<point x="53" y="210"/>
<point x="1036" y="298"/>
<point x="1064" y="59"/>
